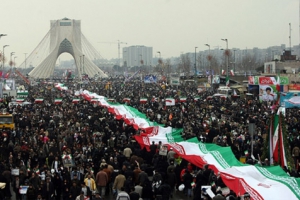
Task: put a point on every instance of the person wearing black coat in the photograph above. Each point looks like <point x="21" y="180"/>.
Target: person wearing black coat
<point x="74" y="191"/>
<point x="31" y="192"/>
<point x="187" y="180"/>
<point x="48" y="189"/>
<point x="65" y="189"/>
<point x="57" y="186"/>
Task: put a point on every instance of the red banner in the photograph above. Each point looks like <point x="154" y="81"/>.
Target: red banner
<point x="294" y="86"/>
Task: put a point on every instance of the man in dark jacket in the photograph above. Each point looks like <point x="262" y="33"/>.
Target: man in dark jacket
<point x="31" y="194"/>
<point x="74" y="191"/>
<point x="48" y="189"/>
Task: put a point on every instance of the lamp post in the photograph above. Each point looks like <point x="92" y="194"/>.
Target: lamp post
<point x="25" y="60"/>
<point x="227" y="61"/>
<point x="3" y="60"/>
<point x="195" y="63"/>
<point x="11" y="54"/>
<point x="1" y="35"/>
<point x="234" y="50"/>
<point x="209" y="62"/>
<point x="83" y="64"/>
<point x="14" y="64"/>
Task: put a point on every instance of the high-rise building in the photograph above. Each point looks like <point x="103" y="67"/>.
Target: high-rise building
<point x="137" y="56"/>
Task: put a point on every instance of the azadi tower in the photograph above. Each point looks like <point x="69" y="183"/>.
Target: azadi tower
<point x="64" y="37"/>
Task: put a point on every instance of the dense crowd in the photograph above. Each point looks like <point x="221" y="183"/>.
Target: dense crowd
<point x="78" y="150"/>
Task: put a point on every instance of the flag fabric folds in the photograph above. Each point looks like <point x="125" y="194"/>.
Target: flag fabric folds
<point x="260" y="182"/>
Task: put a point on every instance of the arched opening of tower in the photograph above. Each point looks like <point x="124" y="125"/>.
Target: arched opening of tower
<point x="65" y="67"/>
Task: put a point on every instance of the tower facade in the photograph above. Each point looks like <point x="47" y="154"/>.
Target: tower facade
<point x="66" y="37"/>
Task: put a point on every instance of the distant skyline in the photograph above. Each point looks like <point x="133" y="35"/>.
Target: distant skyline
<point x="171" y="27"/>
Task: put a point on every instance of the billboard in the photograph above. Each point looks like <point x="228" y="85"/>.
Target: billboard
<point x="294" y="86"/>
<point x="267" y="93"/>
<point x="216" y="79"/>
<point x="174" y="81"/>
<point x="264" y="80"/>
<point x="150" y="79"/>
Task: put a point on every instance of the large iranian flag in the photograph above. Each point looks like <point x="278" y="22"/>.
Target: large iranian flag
<point x="259" y="182"/>
<point x="164" y="135"/>
<point x="275" y="139"/>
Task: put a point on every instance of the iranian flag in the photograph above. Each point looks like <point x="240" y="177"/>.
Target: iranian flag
<point x="111" y="100"/>
<point x="196" y="98"/>
<point x="143" y="100"/>
<point x="38" y="100"/>
<point x="271" y="129"/>
<point x="19" y="100"/>
<point x="223" y="72"/>
<point x="126" y="100"/>
<point x="275" y="141"/>
<point x="260" y="182"/>
<point x="232" y="72"/>
<point x="170" y="101"/>
<point x="283" y="161"/>
<point x="182" y="99"/>
<point x="58" y="101"/>
<point x="61" y="86"/>
<point x="227" y="81"/>
<point x="75" y="100"/>
<point x="94" y="100"/>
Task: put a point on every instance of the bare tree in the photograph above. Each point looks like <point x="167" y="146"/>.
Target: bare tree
<point x="185" y="64"/>
<point x="167" y="67"/>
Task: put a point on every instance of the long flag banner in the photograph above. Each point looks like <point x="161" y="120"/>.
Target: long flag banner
<point x="260" y="182"/>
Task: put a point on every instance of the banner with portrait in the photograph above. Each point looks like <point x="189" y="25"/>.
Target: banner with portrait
<point x="150" y="79"/>
<point x="267" y="93"/>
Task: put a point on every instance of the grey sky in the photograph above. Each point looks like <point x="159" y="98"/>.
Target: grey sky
<point x="169" y="26"/>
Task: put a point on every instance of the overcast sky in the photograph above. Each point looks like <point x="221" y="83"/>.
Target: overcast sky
<point x="169" y="26"/>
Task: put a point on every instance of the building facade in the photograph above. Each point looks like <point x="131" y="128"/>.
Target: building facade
<point x="137" y="56"/>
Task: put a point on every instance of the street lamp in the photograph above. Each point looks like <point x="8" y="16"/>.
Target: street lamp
<point x="15" y="60"/>
<point x="3" y="60"/>
<point x="159" y="54"/>
<point x="25" y="59"/>
<point x="227" y="61"/>
<point x="11" y="54"/>
<point x="1" y="35"/>
<point x="234" y="50"/>
<point x="195" y="63"/>
<point x="209" y="62"/>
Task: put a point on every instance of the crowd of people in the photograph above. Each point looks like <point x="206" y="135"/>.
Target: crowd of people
<point x="78" y="150"/>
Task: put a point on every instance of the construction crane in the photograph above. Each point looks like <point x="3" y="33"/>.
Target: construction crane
<point x="22" y="76"/>
<point x="119" y="46"/>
